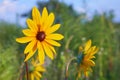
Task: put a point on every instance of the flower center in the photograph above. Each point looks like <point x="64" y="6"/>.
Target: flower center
<point x="40" y="36"/>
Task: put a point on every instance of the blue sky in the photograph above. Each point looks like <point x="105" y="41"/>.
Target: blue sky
<point x="9" y="8"/>
<point x="99" y="5"/>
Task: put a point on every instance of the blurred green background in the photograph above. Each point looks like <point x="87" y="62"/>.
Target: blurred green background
<point x="77" y="29"/>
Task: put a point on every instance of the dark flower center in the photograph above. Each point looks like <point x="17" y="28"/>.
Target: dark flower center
<point x="40" y="36"/>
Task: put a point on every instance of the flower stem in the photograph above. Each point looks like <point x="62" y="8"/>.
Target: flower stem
<point x="26" y="66"/>
<point x="67" y="67"/>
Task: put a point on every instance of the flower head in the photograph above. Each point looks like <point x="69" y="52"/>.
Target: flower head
<point x="36" y="70"/>
<point x="40" y="35"/>
<point x="85" y="58"/>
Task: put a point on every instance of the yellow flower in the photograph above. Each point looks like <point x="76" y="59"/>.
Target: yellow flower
<point x="87" y="54"/>
<point x="35" y="70"/>
<point x="40" y="35"/>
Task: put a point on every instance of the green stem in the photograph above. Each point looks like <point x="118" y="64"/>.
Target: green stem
<point x="26" y="66"/>
<point x="67" y="67"/>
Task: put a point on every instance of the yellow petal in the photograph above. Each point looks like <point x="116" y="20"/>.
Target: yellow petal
<point x="24" y="39"/>
<point x="30" y="46"/>
<point x="32" y="25"/>
<point x="52" y="42"/>
<point x="88" y="45"/>
<point x="53" y="29"/>
<point x="88" y="53"/>
<point x="91" y="51"/>
<point x="40" y="69"/>
<point x="36" y="15"/>
<point x="95" y="50"/>
<point x="31" y="53"/>
<point x="88" y="62"/>
<point x="37" y="78"/>
<point x="44" y="14"/>
<point x="49" y="21"/>
<point x="31" y="76"/>
<point x="52" y="48"/>
<point x="91" y="63"/>
<point x="37" y="74"/>
<point x="55" y="36"/>
<point x="91" y="57"/>
<point x="28" y="32"/>
<point x="48" y="51"/>
<point x="86" y="73"/>
<point x="41" y="54"/>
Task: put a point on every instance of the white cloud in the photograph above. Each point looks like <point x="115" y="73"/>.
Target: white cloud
<point x="80" y="9"/>
<point x="8" y="6"/>
<point x="7" y="10"/>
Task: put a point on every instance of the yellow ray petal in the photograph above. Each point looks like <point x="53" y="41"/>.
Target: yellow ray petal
<point x="86" y="73"/>
<point x="91" y="51"/>
<point x="53" y="28"/>
<point x="28" y="32"/>
<point x="44" y="14"/>
<point x="91" y="63"/>
<point x="30" y="46"/>
<point x="88" y="45"/>
<point x="55" y="36"/>
<point x="36" y="15"/>
<point x="31" y="76"/>
<point x="31" y="53"/>
<point x="24" y="39"/>
<point x="37" y="78"/>
<point x="52" y="48"/>
<point x="92" y="48"/>
<point x="49" y="21"/>
<point x="40" y="69"/>
<point x="88" y="53"/>
<point x="95" y="50"/>
<point x="37" y="74"/>
<point x="91" y="57"/>
<point x="41" y="54"/>
<point x="52" y="42"/>
<point x="48" y="52"/>
<point x="32" y="25"/>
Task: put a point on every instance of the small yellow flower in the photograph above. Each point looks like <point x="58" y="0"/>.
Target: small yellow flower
<point x="35" y="70"/>
<point x="87" y="54"/>
<point x="40" y="35"/>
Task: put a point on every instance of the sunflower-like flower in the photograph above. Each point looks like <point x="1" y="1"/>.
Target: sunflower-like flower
<point x="36" y="70"/>
<point x="85" y="57"/>
<point x="40" y="35"/>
